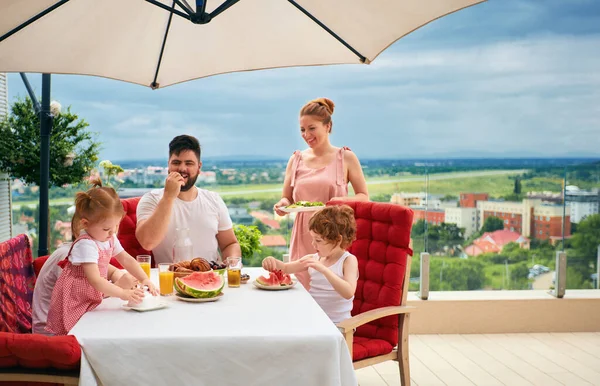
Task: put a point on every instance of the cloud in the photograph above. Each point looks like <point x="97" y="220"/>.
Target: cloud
<point x="507" y="77"/>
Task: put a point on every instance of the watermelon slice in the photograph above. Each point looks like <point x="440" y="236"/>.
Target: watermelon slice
<point x="200" y="284"/>
<point x="276" y="278"/>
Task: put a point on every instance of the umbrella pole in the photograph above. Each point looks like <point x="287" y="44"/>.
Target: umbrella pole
<point x="45" y="130"/>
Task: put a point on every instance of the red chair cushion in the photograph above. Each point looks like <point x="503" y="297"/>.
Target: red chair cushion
<point x="126" y="234"/>
<point x="17" y="280"/>
<point x="38" y="264"/>
<point x="36" y="351"/>
<point x="382" y="249"/>
<point x="367" y="348"/>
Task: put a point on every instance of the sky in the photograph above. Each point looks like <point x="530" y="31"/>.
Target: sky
<point x="505" y="78"/>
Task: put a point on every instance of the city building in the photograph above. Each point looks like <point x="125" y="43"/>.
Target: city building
<point x="531" y="217"/>
<point x="466" y="218"/>
<point x="583" y="203"/>
<point x="409" y="199"/>
<point x="493" y="242"/>
<point x="469" y="200"/>
<point x="432" y="216"/>
<point x="276" y="242"/>
<point x="240" y="216"/>
<point x="266" y="219"/>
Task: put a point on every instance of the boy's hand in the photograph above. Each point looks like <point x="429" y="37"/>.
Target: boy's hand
<point x="151" y="287"/>
<point x="316" y="265"/>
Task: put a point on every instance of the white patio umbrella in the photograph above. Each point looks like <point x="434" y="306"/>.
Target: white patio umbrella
<point x="160" y="43"/>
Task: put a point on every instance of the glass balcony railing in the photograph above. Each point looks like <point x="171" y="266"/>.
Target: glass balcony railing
<point x="485" y="229"/>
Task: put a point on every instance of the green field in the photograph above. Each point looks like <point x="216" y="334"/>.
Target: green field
<point x="497" y="183"/>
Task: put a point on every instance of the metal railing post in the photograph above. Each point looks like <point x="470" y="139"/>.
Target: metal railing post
<point x="561" y="275"/>
<point x="424" y="277"/>
<point x="598" y="269"/>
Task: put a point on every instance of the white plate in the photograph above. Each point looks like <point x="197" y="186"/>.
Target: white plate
<point x="301" y="209"/>
<point x="274" y="288"/>
<point x="198" y="300"/>
<point x="160" y="304"/>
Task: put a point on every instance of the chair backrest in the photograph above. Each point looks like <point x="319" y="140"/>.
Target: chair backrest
<point x="17" y="280"/>
<point x="382" y="247"/>
<point x="38" y="264"/>
<point x="126" y="234"/>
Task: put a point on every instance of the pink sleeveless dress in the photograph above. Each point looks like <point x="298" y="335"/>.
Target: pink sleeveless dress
<point x="73" y="296"/>
<point x="313" y="185"/>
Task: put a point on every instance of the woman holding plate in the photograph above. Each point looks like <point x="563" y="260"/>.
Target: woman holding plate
<point x="318" y="174"/>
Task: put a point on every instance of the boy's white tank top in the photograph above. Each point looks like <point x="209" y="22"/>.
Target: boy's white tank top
<point x="334" y="305"/>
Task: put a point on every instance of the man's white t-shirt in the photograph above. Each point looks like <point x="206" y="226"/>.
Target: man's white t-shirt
<point x="205" y="216"/>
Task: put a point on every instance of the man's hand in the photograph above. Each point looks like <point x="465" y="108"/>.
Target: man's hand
<point x="173" y="184"/>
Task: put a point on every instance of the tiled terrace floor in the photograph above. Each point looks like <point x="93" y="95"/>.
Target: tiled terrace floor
<point x="498" y="359"/>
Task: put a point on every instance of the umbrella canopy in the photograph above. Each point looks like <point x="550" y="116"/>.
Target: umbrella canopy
<point x="159" y="43"/>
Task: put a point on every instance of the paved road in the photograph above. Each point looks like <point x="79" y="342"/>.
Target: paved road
<point x="543" y="281"/>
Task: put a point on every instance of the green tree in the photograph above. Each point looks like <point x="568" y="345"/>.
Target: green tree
<point x="382" y="197"/>
<point x="492" y="224"/>
<point x="517" y="188"/>
<point x="449" y="197"/>
<point x="586" y="240"/>
<point x="447" y="274"/>
<point x="418" y="228"/>
<point x="515" y="254"/>
<point x="518" y="276"/>
<point x="73" y="151"/>
<point x="262" y="228"/>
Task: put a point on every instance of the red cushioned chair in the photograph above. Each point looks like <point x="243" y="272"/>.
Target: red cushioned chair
<point x="380" y="315"/>
<point x="126" y="233"/>
<point x="38" y="264"/>
<point x="39" y="358"/>
<point x="16" y="285"/>
<point x="28" y="358"/>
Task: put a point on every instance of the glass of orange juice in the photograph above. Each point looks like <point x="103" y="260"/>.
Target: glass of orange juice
<point x="165" y="279"/>
<point x="144" y="262"/>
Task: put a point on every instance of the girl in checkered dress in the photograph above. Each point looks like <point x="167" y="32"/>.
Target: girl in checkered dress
<point x="83" y="281"/>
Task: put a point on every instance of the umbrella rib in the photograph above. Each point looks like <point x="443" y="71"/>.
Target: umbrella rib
<point x="31" y="20"/>
<point x="362" y="58"/>
<point x="170" y="9"/>
<point x="186" y="7"/>
<point x="222" y="7"/>
<point x="155" y="85"/>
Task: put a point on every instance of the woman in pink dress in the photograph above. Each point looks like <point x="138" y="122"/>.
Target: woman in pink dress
<point x="319" y="173"/>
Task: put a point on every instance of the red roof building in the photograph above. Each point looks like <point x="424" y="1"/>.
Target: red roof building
<point x="493" y="242"/>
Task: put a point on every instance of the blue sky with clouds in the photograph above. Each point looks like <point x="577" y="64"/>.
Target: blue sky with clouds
<point x="505" y="78"/>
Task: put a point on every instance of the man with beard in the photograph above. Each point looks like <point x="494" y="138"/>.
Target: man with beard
<point x="182" y="205"/>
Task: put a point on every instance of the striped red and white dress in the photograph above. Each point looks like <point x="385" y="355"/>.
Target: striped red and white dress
<point x="73" y="295"/>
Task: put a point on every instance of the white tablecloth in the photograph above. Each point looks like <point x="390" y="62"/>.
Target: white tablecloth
<point x="248" y="337"/>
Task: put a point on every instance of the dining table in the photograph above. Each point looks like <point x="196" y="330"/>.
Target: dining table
<point x="249" y="336"/>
